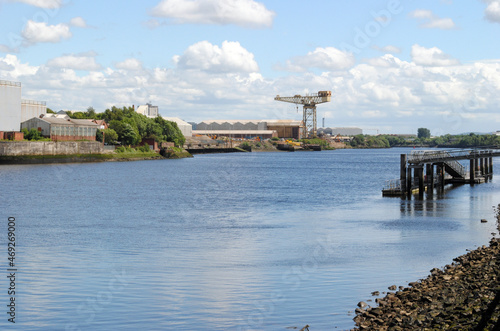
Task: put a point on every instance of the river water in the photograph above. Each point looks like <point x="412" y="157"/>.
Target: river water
<point x="250" y="241"/>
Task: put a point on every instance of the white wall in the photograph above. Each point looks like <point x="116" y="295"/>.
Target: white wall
<point x="10" y="106"/>
<point x="30" y="109"/>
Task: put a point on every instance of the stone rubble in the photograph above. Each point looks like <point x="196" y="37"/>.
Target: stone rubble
<point x="463" y="296"/>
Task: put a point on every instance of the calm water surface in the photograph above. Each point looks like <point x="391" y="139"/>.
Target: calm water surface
<point x="257" y="241"/>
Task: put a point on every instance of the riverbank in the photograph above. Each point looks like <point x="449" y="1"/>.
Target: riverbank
<point x="465" y="295"/>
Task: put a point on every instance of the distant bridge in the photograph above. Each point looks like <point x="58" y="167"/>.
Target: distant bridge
<point x="448" y="169"/>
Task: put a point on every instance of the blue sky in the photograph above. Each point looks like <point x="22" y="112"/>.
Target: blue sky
<point x="391" y="65"/>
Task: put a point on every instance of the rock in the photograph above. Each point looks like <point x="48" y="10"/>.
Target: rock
<point x="392" y="288"/>
<point x="484" y="221"/>
<point x="376" y="293"/>
<point x="362" y="304"/>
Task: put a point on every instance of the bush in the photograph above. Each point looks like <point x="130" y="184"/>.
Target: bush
<point x="144" y="148"/>
<point x="275" y="139"/>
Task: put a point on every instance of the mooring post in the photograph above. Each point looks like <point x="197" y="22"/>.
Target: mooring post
<point x="472" y="171"/>
<point x="421" y="184"/>
<point x="430" y="177"/>
<point x="481" y="166"/>
<point x="409" y="181"/>
<point x="402" y="176"/>
<point x="491" y="165"/>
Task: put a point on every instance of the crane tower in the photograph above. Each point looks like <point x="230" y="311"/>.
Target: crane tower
<point x="309" y="102"/>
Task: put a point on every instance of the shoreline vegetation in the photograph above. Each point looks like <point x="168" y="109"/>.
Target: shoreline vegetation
<point x="464" y="295"/>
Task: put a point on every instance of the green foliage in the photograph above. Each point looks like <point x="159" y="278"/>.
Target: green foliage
<point x="32" y="134"/>
<point x="50" y="111"/>
<point x="110" y="136"/>
<point x="143" y="148"/>
<point x="423" y="133"/>
<point x="275" y="139"/>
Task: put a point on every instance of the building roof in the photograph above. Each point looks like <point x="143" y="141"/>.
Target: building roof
<point x="67" y="122"/>
<point x="176" y="120"/>
<point x="283" y="122"/>
<point x="229" y="132"/>
<point x="232" y="121"/>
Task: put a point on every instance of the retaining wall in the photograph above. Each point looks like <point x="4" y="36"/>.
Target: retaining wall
<point x="20" y="148"/>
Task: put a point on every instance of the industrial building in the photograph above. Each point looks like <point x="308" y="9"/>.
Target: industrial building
<point x="32" y="108"/>
<point x="13" y="110"/>
<point x="349" y="132"/>
<point x="148" y="110"/>
<point x="250" y="128"/>
<point x="185" y="127"/>
<point x="10" y="106"/>
<point x="59" y="128"/>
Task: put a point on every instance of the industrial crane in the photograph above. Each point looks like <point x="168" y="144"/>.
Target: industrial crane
<point x="309" y="102"/>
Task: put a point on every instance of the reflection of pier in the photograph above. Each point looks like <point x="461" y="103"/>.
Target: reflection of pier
<point x="425" y="170"/>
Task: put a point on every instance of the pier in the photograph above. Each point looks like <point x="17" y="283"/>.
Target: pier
<point x="422" y="171"/>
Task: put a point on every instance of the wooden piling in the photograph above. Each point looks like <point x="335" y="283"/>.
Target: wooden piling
<point x="403" y="175"/>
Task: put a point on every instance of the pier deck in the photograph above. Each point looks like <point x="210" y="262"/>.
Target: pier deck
<point x="425" y="170"/>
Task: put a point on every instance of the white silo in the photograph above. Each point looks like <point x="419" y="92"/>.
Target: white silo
<point x="10" y="106"/>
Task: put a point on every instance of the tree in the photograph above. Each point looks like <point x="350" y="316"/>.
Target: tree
<point x="32" y="134"/>
<point x="423" y="133"/>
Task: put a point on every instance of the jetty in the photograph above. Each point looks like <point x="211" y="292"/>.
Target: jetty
<point x="425" y="170"/>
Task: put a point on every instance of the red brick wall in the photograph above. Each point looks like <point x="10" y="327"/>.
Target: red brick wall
<point x="71" y="138"/>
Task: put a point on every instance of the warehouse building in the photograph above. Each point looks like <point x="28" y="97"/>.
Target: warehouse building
<point x="58" y="128"/>
<point x="250" y="128"/>
<point x="185" y="127"/>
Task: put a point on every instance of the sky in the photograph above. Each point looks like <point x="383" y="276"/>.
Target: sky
<point x="393" y="66"/>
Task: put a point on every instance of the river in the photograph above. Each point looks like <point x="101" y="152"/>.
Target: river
<point x="247" y="241"/>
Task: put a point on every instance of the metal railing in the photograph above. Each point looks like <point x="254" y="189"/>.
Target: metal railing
<point x="9" y="83"/>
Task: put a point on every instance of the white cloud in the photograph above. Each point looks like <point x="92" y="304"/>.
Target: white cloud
<point x="49" y="4"/>
<point x="129" y="64"/>
<point x="204" y="56"/>
<point x="328" y="58"/>
<point x="40" y="32"/>
<point x="388" y="49"/>
<point x="492" y="11"/>
<point x="431" y="56"/>
<point x="247" y="13"/>
<point x="78" y="22"/>
<point x="380" y="93"/>
<point x="85" y="62"/>
<point x="431" y="21"/>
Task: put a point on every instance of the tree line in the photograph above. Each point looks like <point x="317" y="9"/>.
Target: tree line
<point x="129" y="127"/>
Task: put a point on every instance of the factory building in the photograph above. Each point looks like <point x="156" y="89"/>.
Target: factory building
<point x="250" y="128"/>
<point x="59" y="128"/>
<point x="148" y="110"/>
<point x="185" y="127"/>
<point x="348" y="132"/>
<point x="31" y="108"/>
<point x="10" y="106"/>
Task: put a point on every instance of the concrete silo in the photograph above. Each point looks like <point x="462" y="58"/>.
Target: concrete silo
<point x="10" y="106"/>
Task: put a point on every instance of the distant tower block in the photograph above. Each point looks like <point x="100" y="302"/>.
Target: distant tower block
<point x="309" y="103"/>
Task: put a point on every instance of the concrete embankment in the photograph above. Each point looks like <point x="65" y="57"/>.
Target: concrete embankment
<point x="465" y="295"/>
<point x="29" y="152"/>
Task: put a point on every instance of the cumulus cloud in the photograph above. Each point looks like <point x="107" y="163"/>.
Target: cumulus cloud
<point x="129" y="64"/>
<point x="230" y="57"/>
<point x="388" y="49"/>
<point x="48" y="4"/>
<point x="246" y="13"/>
<point x="84" y="62"/>
<point x="328" y="58"/>
<point x="431" y="57"/>
<point x="492" y="11"/>
<point x="78" y="22"/>
<point x="386" y="92"/>
<point x="40" y="32"/>
<point x="431" y="21"/>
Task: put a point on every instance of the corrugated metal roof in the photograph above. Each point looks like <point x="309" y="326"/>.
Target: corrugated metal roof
<point x="253" y="132"/>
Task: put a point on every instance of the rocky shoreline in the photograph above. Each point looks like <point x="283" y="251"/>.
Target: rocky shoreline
<point x="465" y="295"/>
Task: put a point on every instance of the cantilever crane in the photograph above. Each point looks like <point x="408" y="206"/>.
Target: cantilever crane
<point x="309" y="102"/>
